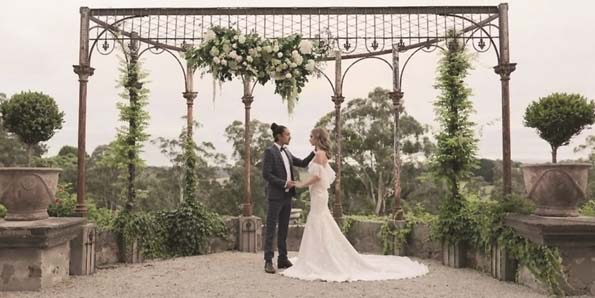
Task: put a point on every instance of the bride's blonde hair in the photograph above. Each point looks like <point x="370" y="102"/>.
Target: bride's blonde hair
<point x="323" y="140"/>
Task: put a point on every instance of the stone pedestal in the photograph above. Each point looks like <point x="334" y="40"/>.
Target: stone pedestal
<point x="36" y="254"/>
<point x="503" y="266"/>
<point x="82" y="251"/>
<point x="573" y="236"/>
<point x="250" y="234"/>
<point x="453" y="254"/>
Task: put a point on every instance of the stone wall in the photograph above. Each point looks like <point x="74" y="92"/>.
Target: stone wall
<point x="107" y="250"/>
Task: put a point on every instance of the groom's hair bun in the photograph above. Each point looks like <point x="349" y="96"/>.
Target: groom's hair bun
<point x="277" y="130"/>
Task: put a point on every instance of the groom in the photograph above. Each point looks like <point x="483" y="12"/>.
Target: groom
<point x="277" y="170"/>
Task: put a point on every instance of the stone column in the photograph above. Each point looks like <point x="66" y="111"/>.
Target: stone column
<point x="338" y="99"/>
<point x="397" y="95"/>
<point x="247" y="99"/>
<point x="83" y="70"/>
<point x="504" y="69"/>
<point x="250" y="225"/>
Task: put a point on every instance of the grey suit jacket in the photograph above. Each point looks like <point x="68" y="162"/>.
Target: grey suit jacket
<point x="273" y="172"/>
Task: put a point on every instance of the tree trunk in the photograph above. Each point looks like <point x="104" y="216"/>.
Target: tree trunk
<point x="379" y="202"/>
<point x="29" y="154"/>
<point x="554" y="154"/>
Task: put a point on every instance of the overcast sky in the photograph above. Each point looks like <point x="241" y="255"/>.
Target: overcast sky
<point x="552" y="42"/>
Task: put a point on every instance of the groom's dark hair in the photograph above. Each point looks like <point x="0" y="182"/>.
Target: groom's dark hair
<point x="277" y="130"/>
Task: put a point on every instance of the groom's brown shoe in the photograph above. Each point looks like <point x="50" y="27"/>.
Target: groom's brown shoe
<point x="282" y="264"/>
<point x="268" y="267"/>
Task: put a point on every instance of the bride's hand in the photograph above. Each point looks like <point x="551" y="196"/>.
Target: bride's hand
<point x="299" y="184"/>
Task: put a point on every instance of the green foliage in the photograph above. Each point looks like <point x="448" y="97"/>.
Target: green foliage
<point x="66" y="203"/>
<point x="183" y="231"/>
<point x="456" y="148"/>
<point x="106" y="182"/>
<point x="189" y="170"/>
<point x="3" y="211"/>
<point x="543" y="261"/>
<point x="170" y="182"/>
<point x="588" y="209"/>
<point x="484" y="227"/>
<point x="65" y="160"/>
<point x="33" y="116"/>
<point x="393" y="237"/>
<point x="229" y="195"/>
<point x="13" y="151"/>
<point x="132" y="108"/>
<point x="558" y="117"/>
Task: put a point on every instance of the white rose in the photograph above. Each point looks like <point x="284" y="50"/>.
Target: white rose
<point x="280" y="55"/>
<point x="288" y="75"/>
<point x="242" y="39"/>
<point x="209" y="35"/>
<point x="299" y="60"/>
<point x="258" y="49"/>
<point x="214" y="51"/>
<point x="235" y="37"/>
<point x="239" y="59"/>
<point x="268" y="49"/>
<point x="276" y="48"/>
<point x="310" y="65"/>
<point x="306" y="46"/>
<point x="233" y="54"/>
<point x="226" y="48"/>
<point x="216" y="60"/>
<point x="249" y="59"/>
<point x="223" y="62"/>
<point x="293" y="65"/>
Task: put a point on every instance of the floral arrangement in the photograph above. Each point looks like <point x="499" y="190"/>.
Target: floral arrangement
<point x="289" y="61"/>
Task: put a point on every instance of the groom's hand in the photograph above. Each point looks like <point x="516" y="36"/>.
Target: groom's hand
<point x="290" y="184"/>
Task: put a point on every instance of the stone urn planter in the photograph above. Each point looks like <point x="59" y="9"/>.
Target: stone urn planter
<point x="556" y="188"/>
<point x="27" y="192"/>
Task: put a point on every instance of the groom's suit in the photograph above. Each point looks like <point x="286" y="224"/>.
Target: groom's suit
<point x="278" y="197"/>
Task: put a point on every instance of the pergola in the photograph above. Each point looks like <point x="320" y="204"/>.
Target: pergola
<point x="353" y="34"/>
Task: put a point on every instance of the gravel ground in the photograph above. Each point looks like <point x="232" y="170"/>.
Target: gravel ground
<point x="233" y="274"/>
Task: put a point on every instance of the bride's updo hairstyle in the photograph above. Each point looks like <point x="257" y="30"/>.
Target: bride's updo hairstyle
<point x="323" y="140"/>
<point x="277" y="130"/>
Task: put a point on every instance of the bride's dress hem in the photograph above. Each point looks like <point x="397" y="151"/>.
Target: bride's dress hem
<point x="326" y="255"/>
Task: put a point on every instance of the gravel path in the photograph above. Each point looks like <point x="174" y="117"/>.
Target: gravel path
<point x="233" y="274"/>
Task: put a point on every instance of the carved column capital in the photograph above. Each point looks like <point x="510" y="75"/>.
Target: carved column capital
<point x="189" y="96"/>
<point x="504" y="70"/>
<point x="84" y="72"/>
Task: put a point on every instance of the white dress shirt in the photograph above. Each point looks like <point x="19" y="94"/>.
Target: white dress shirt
<point x="285" y="163"/>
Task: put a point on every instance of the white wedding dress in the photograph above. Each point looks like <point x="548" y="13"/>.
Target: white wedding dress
<point x="325" y="254"/>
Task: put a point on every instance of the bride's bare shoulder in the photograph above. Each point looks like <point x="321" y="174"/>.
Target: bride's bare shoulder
<point x="321" y="157"/>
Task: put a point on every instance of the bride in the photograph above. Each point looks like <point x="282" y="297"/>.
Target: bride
<point x="325" y="253"/>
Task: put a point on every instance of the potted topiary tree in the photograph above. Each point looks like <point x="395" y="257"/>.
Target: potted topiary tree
<point x="557" y="188"/>
<point x="26" y="192"/>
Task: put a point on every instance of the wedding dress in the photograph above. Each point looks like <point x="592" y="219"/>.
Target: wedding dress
<point x="325" y="253"/>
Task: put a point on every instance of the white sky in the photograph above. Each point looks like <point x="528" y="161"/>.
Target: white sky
<point x="552" y="42"/>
